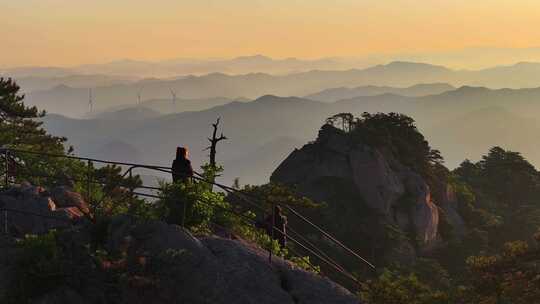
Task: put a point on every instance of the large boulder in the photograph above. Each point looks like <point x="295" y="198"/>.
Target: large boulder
<point x="27" y="209"/>
<point x="214" y="270"/>
<point x="64" y="197"/>
<point x="388" y="188"/>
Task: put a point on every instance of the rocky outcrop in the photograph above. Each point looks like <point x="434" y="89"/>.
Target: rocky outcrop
<point x="154" y="262"/>
<point x="26" y="209"/>
<point x="216" y="270"/>
<point x="388" y="188"/>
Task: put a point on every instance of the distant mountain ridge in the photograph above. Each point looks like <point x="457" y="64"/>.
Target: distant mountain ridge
<point x="38" y="83"/>
<point x="174" y="67"/>
<point x="397" y="74"/>
<point x="335" y="94"/>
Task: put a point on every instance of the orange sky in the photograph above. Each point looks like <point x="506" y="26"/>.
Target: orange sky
<point x="68" y="32"/>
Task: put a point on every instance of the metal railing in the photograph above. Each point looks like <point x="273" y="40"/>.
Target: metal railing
<point x="252" y="203"/>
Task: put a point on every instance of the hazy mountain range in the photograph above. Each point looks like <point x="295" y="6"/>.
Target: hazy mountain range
<point x="462" y="123"/>
<point x="335" y="94"/>
<point x="39" y="83"/>
<point x="469" y="58"/>
<point x="175" y="67"/>
<point x="161" y="106"/>
<point x="73" y="101"/>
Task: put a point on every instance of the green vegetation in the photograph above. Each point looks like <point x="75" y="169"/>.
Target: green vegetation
<point x="506" y="188"/>
<point x="18" y="125"/>
<point x="511" y="276"/>
<point x="194" y="205"/>
<point x="391" y="288"/>
<point x="38" y="268"/>
<point x="44" y="263"/>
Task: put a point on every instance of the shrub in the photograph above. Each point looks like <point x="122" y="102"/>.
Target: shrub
<point x="400" y="289"/>
<point x="193" y="204"/>
<point x="40" y="267"/>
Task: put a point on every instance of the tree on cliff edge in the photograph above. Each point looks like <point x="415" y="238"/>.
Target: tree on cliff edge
<point x="395" y="134"/>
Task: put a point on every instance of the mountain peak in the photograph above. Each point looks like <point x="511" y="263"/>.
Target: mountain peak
<point x="470" y="89"/>
<point x="273" y="99"/>
<point x="413" y="65"/>
<point x="253" y="58"/>
<point x="268" y="98"/>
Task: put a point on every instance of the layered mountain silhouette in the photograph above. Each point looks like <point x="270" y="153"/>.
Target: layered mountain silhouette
<point x="460" y="123"/>
<point x="335" y="94"/>
<point x="174" y="67"/>
<point x="72" y="101"/>
<point x="39" y="83"/>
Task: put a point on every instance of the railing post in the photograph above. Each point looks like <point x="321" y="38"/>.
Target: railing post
<point x="130" y="187"/>
<point x="88" y="182"/>
<point x="6" y="157"/>
<point x="5" y="222"/>
<point x="183" y="220"/>
<point x="273" y="225"/>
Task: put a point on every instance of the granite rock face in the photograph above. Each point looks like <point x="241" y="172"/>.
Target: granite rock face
<point x="388" y="188"/>
<point x="449" y="205"/>
<point x="218" y="270"/>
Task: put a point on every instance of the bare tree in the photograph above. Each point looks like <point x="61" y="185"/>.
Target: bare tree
<point x="213" y="143"/>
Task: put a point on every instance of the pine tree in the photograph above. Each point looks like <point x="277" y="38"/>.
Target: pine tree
<point x="21" y="128"/>
<point x="19" y="124"/>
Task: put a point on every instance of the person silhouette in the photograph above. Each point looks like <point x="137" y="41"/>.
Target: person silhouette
<point x="276" y="226"/>
<point x="181" y="166"/>
<point x="182" y="172"/>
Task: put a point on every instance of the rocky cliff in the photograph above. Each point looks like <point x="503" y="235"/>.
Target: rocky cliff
<point x="384" y="188"/>
<point x="146" y="262"/>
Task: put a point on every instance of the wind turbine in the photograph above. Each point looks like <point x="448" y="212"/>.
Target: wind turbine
<point x="90" y="101"/>
<point x="173" y="97"/>
<point x="139" y="98"/>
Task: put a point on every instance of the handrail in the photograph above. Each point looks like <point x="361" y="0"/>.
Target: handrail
<point x="304" y="219"/>
<point x="83" y="158"/>
<point x="330" y="237"/>
<point x="244" y="197"/>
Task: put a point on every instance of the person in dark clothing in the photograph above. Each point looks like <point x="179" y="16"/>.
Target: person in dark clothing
<point x="279" y="226"/>
<point x="182" y="172"/>
<point x="181" y="166"/>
